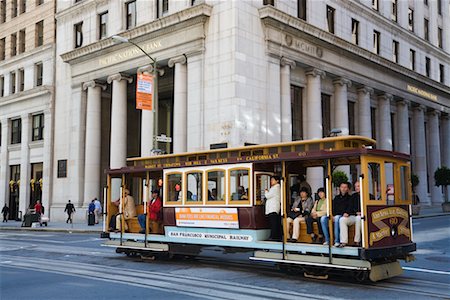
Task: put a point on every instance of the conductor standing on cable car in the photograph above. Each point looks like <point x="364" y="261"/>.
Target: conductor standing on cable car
<point x="273" y="208"/>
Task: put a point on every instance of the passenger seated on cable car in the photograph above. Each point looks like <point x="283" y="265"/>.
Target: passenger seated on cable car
<point x="353" y="216"/>
<point x="319" y="210"/>
<point x="300" y="210"/>
<point x="177" y="194"/>
<point x="340" y="205"/>
<point x="153" y="211"/>
<point x="213" y="195"/>
<point x="129" y="211"/>
<point x="240" y="195"/>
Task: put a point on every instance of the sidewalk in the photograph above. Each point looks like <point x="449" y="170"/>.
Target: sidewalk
<point x="430" y="211"/>
<point x="53" y="226"/>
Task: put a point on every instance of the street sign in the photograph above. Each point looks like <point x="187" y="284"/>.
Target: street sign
<point x="163" y="138"/>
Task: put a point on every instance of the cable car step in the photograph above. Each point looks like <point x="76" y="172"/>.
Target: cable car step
<point x="137" y="245"/>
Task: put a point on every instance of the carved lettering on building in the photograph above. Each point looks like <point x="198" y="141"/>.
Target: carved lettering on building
<point x="129" y="53"/>
<point x="422" y="93"/>
<point x="303" y="46"/>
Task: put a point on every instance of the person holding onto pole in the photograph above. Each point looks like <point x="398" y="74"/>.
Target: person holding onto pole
<point x="273" y="208"/>
<point x="153" y="211"/>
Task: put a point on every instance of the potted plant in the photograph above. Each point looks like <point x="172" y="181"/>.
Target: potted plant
<point x="415" y="199"/>
<point x="442" y="178"/>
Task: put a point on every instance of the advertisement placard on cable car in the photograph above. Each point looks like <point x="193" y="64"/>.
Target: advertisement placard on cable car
<point x="388" y="225"/>
<point x="209" y="217"/>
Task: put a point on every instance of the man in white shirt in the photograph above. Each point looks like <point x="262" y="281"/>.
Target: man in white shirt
<point x="97" y="210"/>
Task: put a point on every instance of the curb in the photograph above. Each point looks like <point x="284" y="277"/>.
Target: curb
<point x="431" y="215"/>
<point x="49" y="230"/>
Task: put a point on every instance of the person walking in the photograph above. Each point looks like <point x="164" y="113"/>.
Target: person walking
<point x="97" y="210"/>
<point x="70" y="209"/>
<point x="5" y="212"/>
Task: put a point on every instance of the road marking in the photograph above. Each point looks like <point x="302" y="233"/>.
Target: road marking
<point x="426" y="271"/>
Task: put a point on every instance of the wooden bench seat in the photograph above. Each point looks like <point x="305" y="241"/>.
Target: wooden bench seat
<point x="306" y="238"/>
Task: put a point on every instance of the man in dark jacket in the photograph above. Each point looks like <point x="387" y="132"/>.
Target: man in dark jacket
<point x="5" y="212"/>
<point x="341" y="205"/>
<point x="70" y="209"/>
<point x="352" y="217"/>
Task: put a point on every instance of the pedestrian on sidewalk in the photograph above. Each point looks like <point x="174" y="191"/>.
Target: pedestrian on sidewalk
<point x="97" y="210"/>
<point x="70" y="209"/>
<point x="5" y="212"/>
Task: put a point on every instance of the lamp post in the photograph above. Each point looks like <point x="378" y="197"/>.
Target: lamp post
<point x="119" y="39"/>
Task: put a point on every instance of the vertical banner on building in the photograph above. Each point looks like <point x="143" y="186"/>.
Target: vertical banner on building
<point x="144" y="92"/>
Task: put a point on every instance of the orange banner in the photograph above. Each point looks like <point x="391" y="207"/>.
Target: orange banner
<point x="144" y="92"/>
<point x="207" y="217"/>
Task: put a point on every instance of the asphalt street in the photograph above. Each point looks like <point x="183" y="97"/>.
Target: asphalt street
<point x="51" y="265"/>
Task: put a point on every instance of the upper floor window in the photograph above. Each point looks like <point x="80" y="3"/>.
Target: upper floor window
<point x="165" y="6"/>
<point x="376" y="42"/>
<point x="2" y="48"/>
<point x="427" y="66"/>
<point x="425" y="2"/>
<point x="439" y="6"/>
<point x="441" y="73"/>
<point x="2" y="86"/>
<point x="39" y="33"/>
<point x="395" y="46"/>
<point x="355" y="32"/>
<point x="22" y="41"/>
<point x="426" y="27"/>
<point x="411" y="19"/>
<point x="412" y="59"/>
<point x="394" y="10"/>
<point x="23" y="6"/>
<point x="13" y="44"/>
<point x="439" y="37"/>
<point x="78" y="34"/>
<point x="2" y="11"/>
<point x="16" y="131"/>
<point x="301" y="9"/>
<point x="39" y="2"/>
<point x="131" y="14"/>
<point x="269" y="2"/>
<point x="38" y="72"/>
<point x="21" y="80"/>
<point x="375" y="4"/>
<point x="12" y="81"/>
<point x="13" y="8"/>
<point x="38" y="127"/>
<point x="330" y="18"/>
<point x="103" y="23"/>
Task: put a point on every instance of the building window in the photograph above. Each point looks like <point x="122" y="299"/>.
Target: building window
<point x="330" y="19"/>
<point x="373" y="120"/>
<point x="439" y="37"/>
<point x="38" y="127"/>
<point x="2" y="86"/>
<point x="21" y="80"/>
<point x="2" y="48"/>
<point x="351" y="118"/>
<point x="39" y="2"/>
<point x="412" y="59"/>
<point x="269" y="2"/>
<point x="131" y="14"/>
<point x="393" y="137"/>
<point x="411" y="19"/>
<point x="439" y="7"/>
<point x="22" y="41"/>
<point x="301" y="9"/>
<point x="39" y="71"/>
<point x="2" y="11"/>
<point x="355" y="32"/>
<point x="394" y="10"/>
<point x="425" y="29"/>
<point x="427" y="66"/>
<point x="375" y="4"/>
<point x="13" y="44"/>
<point x="12" y="80"/>
<point x="165" y="6"/>
<point x="62" y="168"/>
<point x="192" y="2"/>
<point x="376" y="42"/>
<point x="395" y="46"/>
<point x="39" y="32"/>
<point x="16" y="131"/>
<point x="23" y="6"/>
<point x="78" y="34"/>
<point x="425" y="2"/>
<point x="441" y="73"/>
<point x="103" y="23"/>
<point x="297" y="113"/>
<point x="326" y="115"/>
<point x="13" y="8"/>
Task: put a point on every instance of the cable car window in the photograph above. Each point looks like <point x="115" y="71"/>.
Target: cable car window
<point x="262" y="183"/>
<point x="239" y="184"/>
<point x="194" y="187"/>
<point x="404" y="183"/>
<point x="390" y="188"/>
<point x="216" y="185"/>
<point x="174" y="186"/>
<point x="374" y="181"/>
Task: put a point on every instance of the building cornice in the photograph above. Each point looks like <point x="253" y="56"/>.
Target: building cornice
<point x="197" y="14"/>
<point x="25" y="95"/>
<point x="20" y="58"/>
<point x="79" y="7"/>
<point x="288" y="24"/>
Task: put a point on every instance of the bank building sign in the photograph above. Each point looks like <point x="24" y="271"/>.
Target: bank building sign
<point x="129" y="53"/>
<point x="303" y="46"/>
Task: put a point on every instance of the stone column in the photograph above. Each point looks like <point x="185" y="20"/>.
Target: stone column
<point x="365" y="124"/>
<point x="314" y="176"/>
<point x="47" y="163"/>
<point x="420" y="163"/>
<point x="24" y="194"/>
<point x="384" y="119"/>
<point x="4" y="165"/>
<point x="403" y="145"/>
<point x="92" y="167"/>
<point x="285" y="90"/>
<point x="196" y="101"/>
<point x="118" y="154"/>
<point x="341" y="104"/>
<point x="179" y="104"/>
<point x="434" y="153"/>
<point x="148" y="119"/>
<point x="445" y="131"/>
